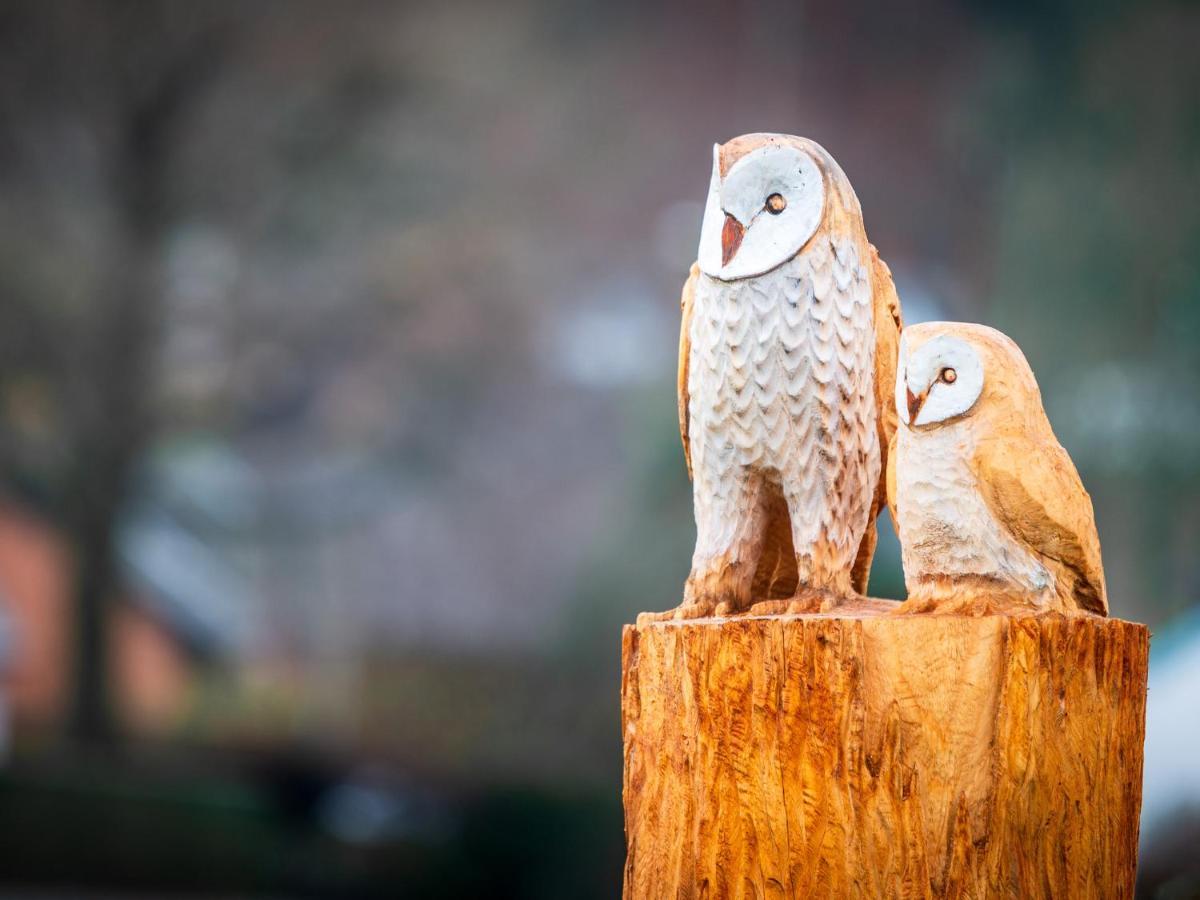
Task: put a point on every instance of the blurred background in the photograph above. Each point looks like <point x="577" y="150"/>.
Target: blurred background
<point x="337" y="415"/>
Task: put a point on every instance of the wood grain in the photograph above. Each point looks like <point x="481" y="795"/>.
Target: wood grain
<point x="991" y="513"/>
<point x="861" y="754"/>
<point x="786" y="371"/>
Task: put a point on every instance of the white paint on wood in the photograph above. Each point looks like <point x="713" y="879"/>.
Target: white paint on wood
<point x="946" y="527"/>
<point x="988" y="503"/>
<point x="780" y="381"/>
<point x="921" y="372"/>
<point x="770" y="239"/>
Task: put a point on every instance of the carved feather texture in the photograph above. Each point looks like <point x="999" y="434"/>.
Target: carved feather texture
<point x="888" y="325"/>
<point x="988" y="503"/>
<point x="947" y="530"/>
<point x="780" y="387"/>
<point x="1033" y="489"/>
<point x="686" y="305"/>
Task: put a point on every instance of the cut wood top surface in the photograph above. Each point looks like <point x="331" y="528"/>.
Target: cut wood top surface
<point x="869" y="608"/>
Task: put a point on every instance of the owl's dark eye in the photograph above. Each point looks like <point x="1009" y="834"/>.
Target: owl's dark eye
<point x="948" y="375"/>
<point x="776" y="204"/>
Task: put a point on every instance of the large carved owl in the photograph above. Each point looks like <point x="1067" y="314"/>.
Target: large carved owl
<point x="786" y="364"/>
<point x="992" y="515"/>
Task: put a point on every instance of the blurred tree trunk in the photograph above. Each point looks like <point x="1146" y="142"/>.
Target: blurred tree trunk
<point x="112" y="434"/>
<point x="115" y="417"/>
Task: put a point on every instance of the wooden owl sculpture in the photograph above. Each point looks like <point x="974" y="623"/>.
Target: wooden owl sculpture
<point x="787" y="359"/>
<point x="991" y="513"/>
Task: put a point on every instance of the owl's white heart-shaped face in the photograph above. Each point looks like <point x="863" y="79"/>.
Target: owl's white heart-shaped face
<point x="759" y="216"/>
<point x="939" y="380"/>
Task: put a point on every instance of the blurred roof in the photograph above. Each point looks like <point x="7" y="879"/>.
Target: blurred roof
<point x="185" y="583"/>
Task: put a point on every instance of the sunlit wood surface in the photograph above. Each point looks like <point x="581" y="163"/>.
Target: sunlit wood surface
<point x="868" y="755"/>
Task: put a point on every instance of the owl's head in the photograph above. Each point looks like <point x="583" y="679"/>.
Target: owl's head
<point x="766" y="198"/>
<point x="947" y="371"/>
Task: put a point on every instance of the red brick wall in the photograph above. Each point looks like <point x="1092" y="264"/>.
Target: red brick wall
<point x="35" y="583"/>
<point x="150" y="671"/>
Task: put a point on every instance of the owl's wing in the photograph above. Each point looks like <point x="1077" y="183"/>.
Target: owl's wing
<point x="1032" y="487"/>
<point x="890" y="475"/>
<point x="685" y="352"/>
<point x="888" y="325"/>
<point x="886" y="319"/>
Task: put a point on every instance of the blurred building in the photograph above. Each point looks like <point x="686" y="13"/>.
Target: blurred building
<point x="153" y="656"/>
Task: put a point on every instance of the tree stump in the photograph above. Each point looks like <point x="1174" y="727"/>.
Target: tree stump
<point x="860" y="754"/>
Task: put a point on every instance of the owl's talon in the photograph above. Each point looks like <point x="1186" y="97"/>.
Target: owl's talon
<point x="647" y="618"/>
<point x="830" y="603"/>
<point x="813" y="600"/>
<point x="913" y="606"/>
<point x="769" y="608"/>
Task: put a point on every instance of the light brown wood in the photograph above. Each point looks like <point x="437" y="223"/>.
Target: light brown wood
<point x="862" y="754"/>
<point x="990" y="511"/>
<point x="787" y="360"/>
<point x="888" y="326"/>
<point x="686" y="307"/>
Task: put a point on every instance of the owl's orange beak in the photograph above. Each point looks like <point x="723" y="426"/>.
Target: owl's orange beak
<point x="731" y="238"/>
<point x="915" y="402"/>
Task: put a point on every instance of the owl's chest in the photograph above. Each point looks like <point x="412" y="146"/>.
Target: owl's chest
<point x="946" y="527"/>
<point x="734" y="320"/>
<point x="771" y="333"/>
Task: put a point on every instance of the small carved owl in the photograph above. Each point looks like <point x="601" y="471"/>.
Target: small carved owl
<point x="990" y="511"/>
<point x="787" y="358"/>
